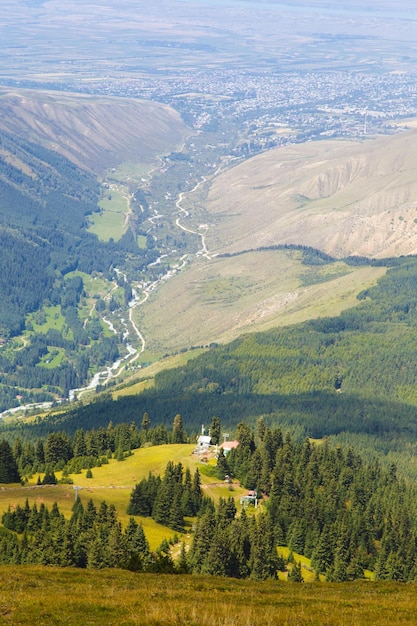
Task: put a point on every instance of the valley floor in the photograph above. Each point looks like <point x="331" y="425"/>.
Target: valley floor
<point x="68" y="596"/>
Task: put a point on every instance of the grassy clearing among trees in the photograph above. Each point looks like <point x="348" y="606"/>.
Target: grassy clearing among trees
<point x="110" y="222"/>
<point x="113" y="483"/>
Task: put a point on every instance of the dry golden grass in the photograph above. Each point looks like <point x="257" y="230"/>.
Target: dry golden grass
<point x="220" y="299"/>
<point x="50" y="596"/>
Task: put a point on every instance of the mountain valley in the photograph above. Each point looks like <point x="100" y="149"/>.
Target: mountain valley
<point x="208" y="312"/>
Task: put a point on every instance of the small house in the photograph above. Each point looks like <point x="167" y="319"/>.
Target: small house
<point x="203" y="442"/>
<point x="250" y="498"/>
<point x="228" y="445"/>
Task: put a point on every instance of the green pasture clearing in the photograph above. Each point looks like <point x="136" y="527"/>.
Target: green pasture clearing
<point x="48" y="317"/>
<point x="133" y="390"/>
<point x="49" y="595"/>
<point x="53" y="358"/>
<point x="41" y="494"/>
<point x="94" y="284"/>
<point x="109" y="223"/>
<point x="141" y="239"/>
<point x="129" y="171"/>
<point x="307" y="570"/>
<point x="113" y="482"/>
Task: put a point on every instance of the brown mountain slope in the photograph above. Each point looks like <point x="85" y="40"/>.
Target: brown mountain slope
<point x="341" y="197"/>
<point x="94" y="132"/>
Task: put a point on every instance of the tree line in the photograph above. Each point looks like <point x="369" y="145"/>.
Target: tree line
<point x="59" y="451"/>
<point x="91" y="538"/>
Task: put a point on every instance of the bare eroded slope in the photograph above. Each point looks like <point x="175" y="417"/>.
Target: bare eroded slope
<point x="94" y="132"/>
<point x="346" y="198"/>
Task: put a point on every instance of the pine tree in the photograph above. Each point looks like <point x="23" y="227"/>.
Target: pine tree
<point x="244" y="435"/>
<point x="196" y="492"/>
<point x="8" y="466"/>
<point x="201" y="543"/>
<point x="218" y="558"/>
<point x="40" y="452"/>
<point x="175" y="518"/>
<point x="295" y="575"/>
<point x="215" y="430"/>
<point x="323" y="556"/>
<point x="240" y="547"/>
<point x="260" y="428"/>
<point x="146" y="422"/>
<point x="187" y="504"/>
<point x="79" y="443"/>
<point x="222" y="467"/>
<point x="163" y="502"/>
<point x="178" y="435"/>
<point x="90" y="514"/>
<point x="117" y="548"/>
<point x="182" y="566"/>
<point x="264" y="561"/>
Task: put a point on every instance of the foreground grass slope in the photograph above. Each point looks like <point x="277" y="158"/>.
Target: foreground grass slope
<point x="66" y="596"/>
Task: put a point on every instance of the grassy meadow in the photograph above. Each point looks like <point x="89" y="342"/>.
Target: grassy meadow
<point x="219" y="299"/>
<point x="110" y="221"/>
<point x="51" y="596"/>
<point x="114" y="483"/>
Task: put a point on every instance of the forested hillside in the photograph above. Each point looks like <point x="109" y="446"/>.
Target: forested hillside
<point x="355" y="373"/>
<point x="46" y="256"/>
<point x="44" y="202"/>
<point x="348" y="516"/>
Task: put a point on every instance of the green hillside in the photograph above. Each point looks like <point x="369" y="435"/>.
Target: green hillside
<point x="355" y="373"/>
<point x="57" y="279"/>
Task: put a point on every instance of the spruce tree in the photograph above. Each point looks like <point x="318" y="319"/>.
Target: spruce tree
<point x="295" y="575"/>
<point x="146" y="422"/>
<point x="178" y="435"/>
<point x="182" y="566"/>
<point x="8" y="466"/>
<point x="264" y="561"/>
<point x="163" y="502"/>
<point x="218" y="557"/>
<point x="215" y="430"/>
<point x="222" y="468"/>
<point x="176" y="518"/>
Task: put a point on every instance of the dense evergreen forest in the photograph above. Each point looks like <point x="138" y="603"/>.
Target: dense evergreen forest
<point x="44" y="203"/>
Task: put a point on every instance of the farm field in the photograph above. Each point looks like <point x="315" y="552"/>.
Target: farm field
<point x="72" y="597"/>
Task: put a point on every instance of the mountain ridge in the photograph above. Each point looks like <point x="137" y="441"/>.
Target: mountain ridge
<point x="95" y="133"/>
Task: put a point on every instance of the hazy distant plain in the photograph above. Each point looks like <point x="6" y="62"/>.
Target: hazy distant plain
<point x="56" y="41"/>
